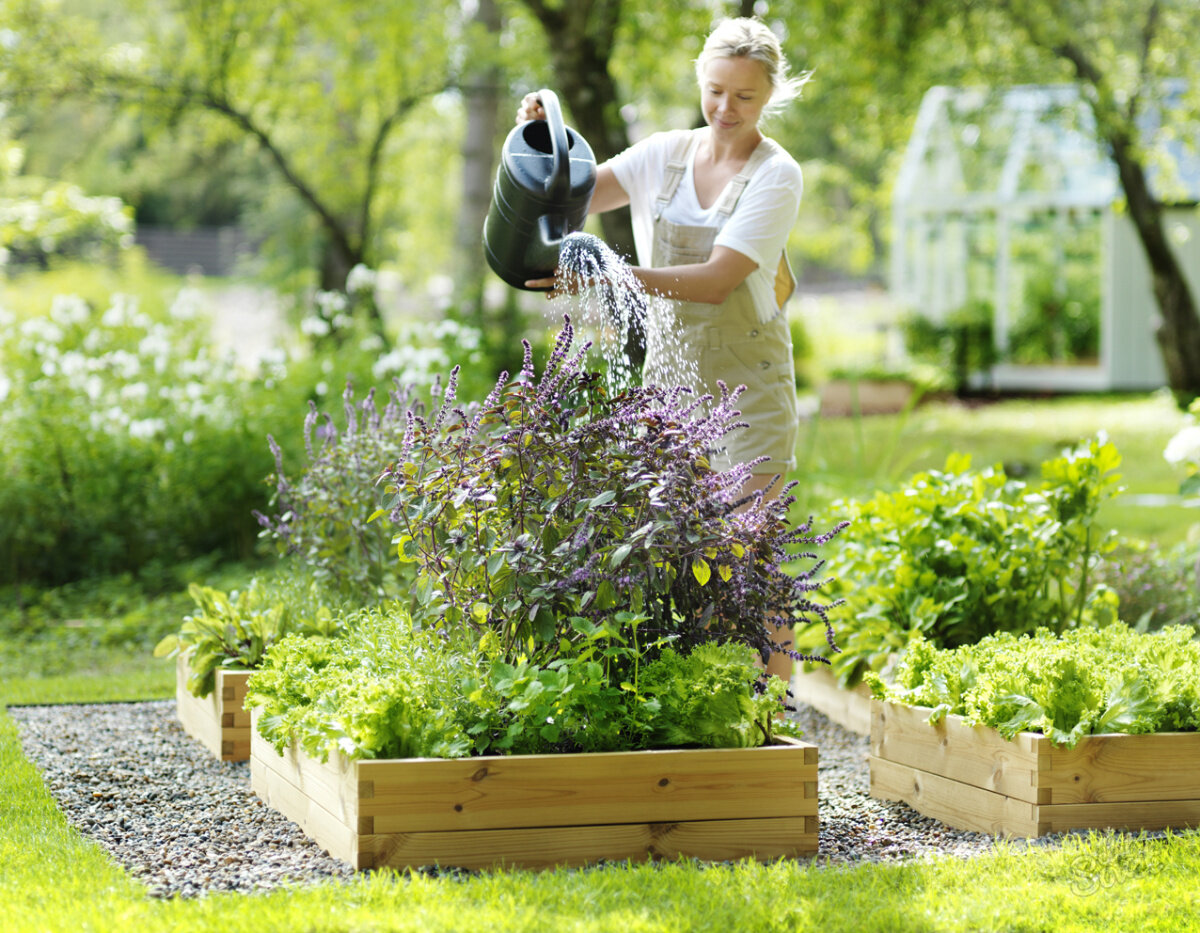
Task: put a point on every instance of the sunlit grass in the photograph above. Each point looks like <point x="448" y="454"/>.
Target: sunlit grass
<point x="52" y="879"/>
<point x="854" y="457"/>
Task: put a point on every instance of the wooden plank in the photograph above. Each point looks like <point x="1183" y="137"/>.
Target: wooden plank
<point x="545" y="847"/>
<point x="1147" y="815"/>
<point x="1111" y="768"/>
<point x="850" y="707"/>
<point x="331" y="784"/>
<point x="963" y="806"/>
<point x="198" y="715"/>
<point x="325" y="828"/>
<point x="971" y="754"/>
<point x="218" y="720"/>
<point x="570" y="790"/>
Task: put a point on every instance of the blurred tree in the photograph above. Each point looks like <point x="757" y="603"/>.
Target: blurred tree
<point x="320" y="87"/>
<point x="482" y="91"/>
<point x="1125" y="53"/>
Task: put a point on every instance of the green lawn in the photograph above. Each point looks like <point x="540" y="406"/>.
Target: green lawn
<point x="856" y="456"/>
<point x="52" y="879"/>
<point x="92" y="643"/>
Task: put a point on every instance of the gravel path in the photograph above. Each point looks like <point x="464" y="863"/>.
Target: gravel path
<point x="128" y="776"/>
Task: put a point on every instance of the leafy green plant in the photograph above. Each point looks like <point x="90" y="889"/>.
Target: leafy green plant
<point x="960" y="345"/>
<point x="1082" y="682"/>
<point x="1061" y="320"/>
<point x="956" y="555"/>
<point x="390" y="689"/>
<point x="1155" y="586"/>
<point x="234" y="630"/>
<point x="555" y="501"/>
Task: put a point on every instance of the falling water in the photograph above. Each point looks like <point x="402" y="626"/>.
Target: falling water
<point x="614" y="308"/>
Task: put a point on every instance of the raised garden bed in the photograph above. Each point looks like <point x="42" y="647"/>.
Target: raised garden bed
<point x="843" y="397"/>
<point x="219" y="721"/>
<point x="849" y="707"/>
<point x="538" y="811"/>
<point x="971" y="777"/>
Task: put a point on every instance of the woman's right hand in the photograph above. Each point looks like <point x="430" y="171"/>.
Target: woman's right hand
<point x="531" y="108"/>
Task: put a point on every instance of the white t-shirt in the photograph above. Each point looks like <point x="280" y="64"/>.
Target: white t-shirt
<point x="758" y="228"/>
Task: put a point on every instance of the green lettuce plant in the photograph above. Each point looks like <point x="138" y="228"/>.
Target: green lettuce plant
<point x="390" y="689"/>
<point x="957" y="554"/>
<point x="233" y="631"/>
<point x="1084" y="681"/>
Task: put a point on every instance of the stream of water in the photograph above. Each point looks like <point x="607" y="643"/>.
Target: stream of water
<point x="614" y="310"/>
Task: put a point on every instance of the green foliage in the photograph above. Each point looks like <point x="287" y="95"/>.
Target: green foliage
<point x="235" y="630"/>
<point x="388" y="689"/>
<point x="1156" y="586"/>
<point x="1085" y="681"/>
<point x="958" y="554"/>
<point x="702" y="699"/>
<point x="322" y="519"/>
<point x="1061" y="322"/>
<point x="125" y="441"/>
<point x="385" y="690"/>
<point x="961" y="345"/>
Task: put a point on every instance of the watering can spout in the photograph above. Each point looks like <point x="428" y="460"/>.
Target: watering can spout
<point x="542" y="192"/>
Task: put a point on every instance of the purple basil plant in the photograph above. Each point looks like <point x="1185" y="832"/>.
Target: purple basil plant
<point x="557" y="506"/>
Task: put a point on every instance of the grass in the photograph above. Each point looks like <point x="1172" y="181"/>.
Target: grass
<point x="854" y="457"/>
<point x="92" y="643"/>
<point x="53" y="879"/>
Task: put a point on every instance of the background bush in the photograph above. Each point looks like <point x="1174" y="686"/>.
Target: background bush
<point x="130" y="443"/>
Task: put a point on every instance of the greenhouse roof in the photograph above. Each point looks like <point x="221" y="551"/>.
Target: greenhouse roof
<point x="1032" y="147"/>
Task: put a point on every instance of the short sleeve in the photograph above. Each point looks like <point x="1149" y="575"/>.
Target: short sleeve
<point x="765" y="213"/>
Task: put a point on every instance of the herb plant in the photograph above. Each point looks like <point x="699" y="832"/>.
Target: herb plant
<point x="1082" y="682"/>
<point x="233" y="631"/>
<point x="322" y="518"/>
<point x="555" y="506"/>
<point x="389" y="689"/>
<point x="958" y="554"/>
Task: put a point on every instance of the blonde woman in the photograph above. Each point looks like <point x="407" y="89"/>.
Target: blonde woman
<point x="712" y="209"/>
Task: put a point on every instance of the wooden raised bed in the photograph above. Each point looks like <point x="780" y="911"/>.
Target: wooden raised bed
<point x="537" y="811"/>
<point x="849" y="707"/>
<point x="843" y="397"/>
<point x="970" y="777"/>
<point x="219" y="721"/>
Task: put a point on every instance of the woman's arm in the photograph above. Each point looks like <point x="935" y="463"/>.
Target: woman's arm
<point x="608" y="194"/>
<point x="709" y="282"/>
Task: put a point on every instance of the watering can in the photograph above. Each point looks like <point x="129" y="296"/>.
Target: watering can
<point x="542" y="192"/>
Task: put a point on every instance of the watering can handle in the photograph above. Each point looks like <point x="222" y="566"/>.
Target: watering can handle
<point x="558" y="185"/>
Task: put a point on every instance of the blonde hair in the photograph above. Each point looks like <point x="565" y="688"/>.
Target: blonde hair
<point x="743" y="37"/>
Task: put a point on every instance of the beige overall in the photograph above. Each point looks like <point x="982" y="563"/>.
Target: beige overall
<point x="734" y="341"/>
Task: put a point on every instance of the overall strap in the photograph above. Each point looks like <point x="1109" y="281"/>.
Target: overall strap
<point x="763" y="151"/>
<point x="676" y="168"/>
<point x="785" y="279"/>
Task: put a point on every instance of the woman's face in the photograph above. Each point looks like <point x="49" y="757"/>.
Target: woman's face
<point x="733" y="93"/>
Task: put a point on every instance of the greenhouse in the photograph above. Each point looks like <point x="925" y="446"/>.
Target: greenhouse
<point x="1007" y="218"/>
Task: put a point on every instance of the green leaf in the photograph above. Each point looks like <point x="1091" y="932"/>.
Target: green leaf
<point x="701" y="571"/>
<point x="620" y="554"/>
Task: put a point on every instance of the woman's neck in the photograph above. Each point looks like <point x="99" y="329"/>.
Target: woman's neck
<point x="731" y="151"/>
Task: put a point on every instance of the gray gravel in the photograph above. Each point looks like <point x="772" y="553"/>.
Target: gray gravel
<point x="127" y="775"/>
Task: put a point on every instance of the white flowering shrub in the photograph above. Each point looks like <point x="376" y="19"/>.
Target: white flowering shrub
<point x="40" y="220"/>
<point x="1183" y="450"/>
<point x="128" y="440"/>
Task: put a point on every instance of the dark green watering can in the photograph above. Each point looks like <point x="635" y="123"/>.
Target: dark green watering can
<point x="542" y="192"/>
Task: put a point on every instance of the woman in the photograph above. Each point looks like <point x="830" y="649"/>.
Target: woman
<point x="712" y="209"/>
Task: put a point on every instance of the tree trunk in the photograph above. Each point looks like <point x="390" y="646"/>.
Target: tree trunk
<point x="481" y="95"/>
<point x="581" y="36"/>
<point x="1178" y="332"/>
